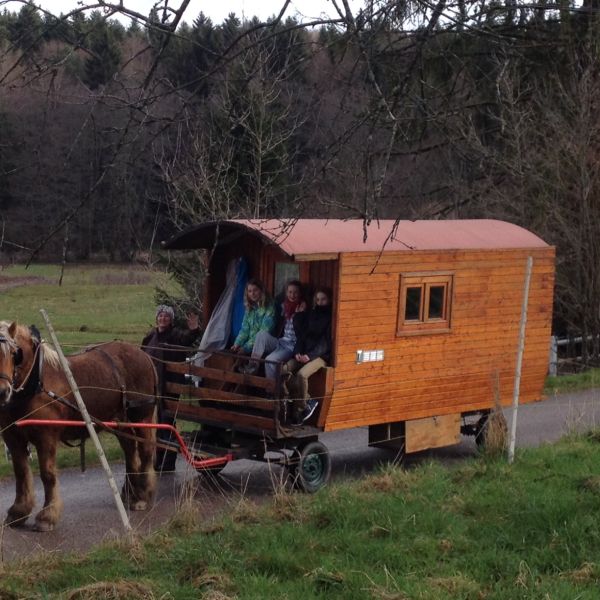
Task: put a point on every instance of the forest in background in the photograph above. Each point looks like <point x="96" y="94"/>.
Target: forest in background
<point x="112" y="138"/>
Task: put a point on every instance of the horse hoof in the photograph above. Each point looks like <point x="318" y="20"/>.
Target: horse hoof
<point x="15" y="521"/>
<point x="43" y="526"/>
<point x="139" y="505"/>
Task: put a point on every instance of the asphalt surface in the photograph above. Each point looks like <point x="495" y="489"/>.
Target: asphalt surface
<point x="90" y="515"/>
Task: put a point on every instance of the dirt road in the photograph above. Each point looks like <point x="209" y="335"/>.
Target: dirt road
<point x="90" y="515"/>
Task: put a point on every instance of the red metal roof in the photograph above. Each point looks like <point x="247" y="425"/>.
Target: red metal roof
<point x="320" y="236"/>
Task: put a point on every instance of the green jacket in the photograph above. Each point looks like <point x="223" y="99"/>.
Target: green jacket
<point x="255" y="320"/>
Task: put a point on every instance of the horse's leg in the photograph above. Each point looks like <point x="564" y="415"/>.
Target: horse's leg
<point x="47" y="518"/>
<point x="146" y="446"/>
<point x="24" y="496"/>
<point x="130" y="493"/>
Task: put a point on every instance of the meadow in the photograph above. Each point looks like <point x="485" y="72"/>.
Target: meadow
<point x="94" y="303"/>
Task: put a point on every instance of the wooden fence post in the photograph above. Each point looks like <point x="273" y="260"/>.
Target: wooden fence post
<point x="88" y="423"/>
<point x="521" y="346"/>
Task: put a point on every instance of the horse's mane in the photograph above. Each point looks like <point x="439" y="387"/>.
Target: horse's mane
<point x="4" y="325"/>
<point x="50" y="356"/>
<point x="23" y="332"/>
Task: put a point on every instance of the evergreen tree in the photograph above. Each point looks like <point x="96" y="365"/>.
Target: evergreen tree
<point x="105" y="56"/>
<point x="26" y="31"/>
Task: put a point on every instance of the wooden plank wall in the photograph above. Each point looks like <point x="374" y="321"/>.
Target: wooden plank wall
<point x="434" y="374"/>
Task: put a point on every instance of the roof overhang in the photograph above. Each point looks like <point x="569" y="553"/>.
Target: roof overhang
<point x="319" y="239"/>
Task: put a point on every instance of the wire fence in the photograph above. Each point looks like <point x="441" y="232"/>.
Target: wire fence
<point x="572" y="354"/>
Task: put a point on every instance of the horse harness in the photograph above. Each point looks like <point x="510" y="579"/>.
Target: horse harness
<point x="127" y="402"/>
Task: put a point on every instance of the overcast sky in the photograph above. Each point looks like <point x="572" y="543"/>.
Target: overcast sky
<point x="216" y="10"/>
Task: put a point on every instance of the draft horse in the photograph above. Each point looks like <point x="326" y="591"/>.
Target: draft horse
<point x="117" y="381"/>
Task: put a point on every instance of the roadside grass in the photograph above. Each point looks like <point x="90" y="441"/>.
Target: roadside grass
<point x="572" y="383"/>
<point x="95" y="303"/>
<point x="480" y="530"/>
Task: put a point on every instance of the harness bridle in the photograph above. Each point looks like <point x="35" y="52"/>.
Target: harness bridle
<point x="17" y="357"/>
<point x="29" y="384"/>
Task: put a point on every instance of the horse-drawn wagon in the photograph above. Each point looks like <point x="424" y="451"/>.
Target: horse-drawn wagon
<point x="425" y="334"/>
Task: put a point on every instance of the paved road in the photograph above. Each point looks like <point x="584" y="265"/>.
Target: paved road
<point x="90" y="515"/>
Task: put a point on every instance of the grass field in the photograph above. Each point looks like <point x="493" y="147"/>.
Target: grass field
<point x="94" y="303"/>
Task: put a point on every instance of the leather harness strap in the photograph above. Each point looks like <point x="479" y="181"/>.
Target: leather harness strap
<point x="127" y="402"/>
<point x="116" y="374"/>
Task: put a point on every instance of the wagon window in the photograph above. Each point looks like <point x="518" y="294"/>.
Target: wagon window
<point x="425" y="303"/>
<point x="437" y="293"/>
<point x="413" y="304"/>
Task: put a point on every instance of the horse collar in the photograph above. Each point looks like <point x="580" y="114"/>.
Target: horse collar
<point x="32" y="383"/>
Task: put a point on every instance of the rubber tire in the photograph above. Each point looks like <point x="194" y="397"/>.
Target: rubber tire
<point x="313" y="468"/>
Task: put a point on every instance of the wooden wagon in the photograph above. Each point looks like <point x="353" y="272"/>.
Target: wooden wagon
<point x="425" y="333"/>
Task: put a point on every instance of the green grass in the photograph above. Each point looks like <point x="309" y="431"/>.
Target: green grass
<point x="482" y="530"/>
<point x="93" y="304"/>
<point x="572" y="383"/>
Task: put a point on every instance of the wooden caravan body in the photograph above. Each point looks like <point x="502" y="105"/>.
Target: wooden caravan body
<point x="425" y="314"/>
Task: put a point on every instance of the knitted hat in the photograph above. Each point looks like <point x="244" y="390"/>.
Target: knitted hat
<point x="163" y="308"/>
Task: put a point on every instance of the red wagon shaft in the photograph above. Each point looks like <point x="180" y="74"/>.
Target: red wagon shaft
<point x="196" y="463"/>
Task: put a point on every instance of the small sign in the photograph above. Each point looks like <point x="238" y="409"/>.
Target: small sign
<point x="363" y="356"/>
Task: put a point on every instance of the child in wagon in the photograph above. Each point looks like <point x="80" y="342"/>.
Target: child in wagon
<point x="311" y="353"/>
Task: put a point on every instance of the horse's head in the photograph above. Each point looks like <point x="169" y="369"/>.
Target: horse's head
<point x="18" y="345"/>
<point x="10" y="358"/>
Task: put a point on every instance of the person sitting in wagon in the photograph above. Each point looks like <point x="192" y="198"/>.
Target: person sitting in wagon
<point x="281" y="347"/>
<point x="259" y="316"/>
<point x="311" y="353"/>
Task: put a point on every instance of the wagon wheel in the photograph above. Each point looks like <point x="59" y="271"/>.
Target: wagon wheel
<point x="310" y="467"/>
